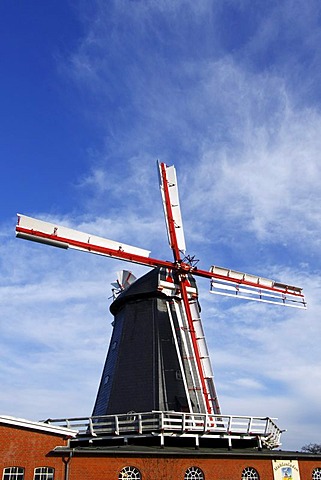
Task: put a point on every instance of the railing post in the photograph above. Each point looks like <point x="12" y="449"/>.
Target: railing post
<point x="140" y="424"/>
<point x="162" y="438"/>
<point x="229" y="443"/>
<point x="183" y="422"/>
<point x="162" y="421"/>
<point x="229" y="424"/>
<point x="91" y="427"/>
<point x="266" y="426"/>
<point x="116" y="425"/>
<point x="250" y="424"/>
<point x="259" y="441"/>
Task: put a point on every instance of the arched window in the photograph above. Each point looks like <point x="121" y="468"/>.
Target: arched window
<point x="13" y="473"/>
<point x="129" y="473"/>
<point x="44" y="473"/>
<point x="250" y="473"/>
<point x="316" y="474"/>
<point x="194" y="473"/>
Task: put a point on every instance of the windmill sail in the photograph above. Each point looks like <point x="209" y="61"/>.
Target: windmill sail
<point x="36" y="230"/>
<point x="246" y="286"/>
<point x="175" y="206"/>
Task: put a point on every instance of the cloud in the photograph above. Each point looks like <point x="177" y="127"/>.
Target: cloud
<point x="264" y="177"/>
<point x="255" y="148"/>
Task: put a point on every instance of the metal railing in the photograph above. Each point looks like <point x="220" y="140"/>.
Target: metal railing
<point x="176" y="423"/>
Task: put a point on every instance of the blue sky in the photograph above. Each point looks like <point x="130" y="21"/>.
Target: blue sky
<point x="92" y="94"/>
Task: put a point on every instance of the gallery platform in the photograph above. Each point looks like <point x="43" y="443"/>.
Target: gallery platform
<point x="168" y="428"/>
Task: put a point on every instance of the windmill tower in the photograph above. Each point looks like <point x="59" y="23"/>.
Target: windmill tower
<point x="158" y="358"/>
<point x="151" y="363"/>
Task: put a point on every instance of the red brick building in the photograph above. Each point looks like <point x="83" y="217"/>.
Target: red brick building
<point x="43" y="451"/>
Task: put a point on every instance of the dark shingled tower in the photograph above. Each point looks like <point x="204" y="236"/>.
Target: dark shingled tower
<point x="143" y="371"/>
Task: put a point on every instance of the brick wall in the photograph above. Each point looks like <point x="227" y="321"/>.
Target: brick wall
<point x="29" y="449"/>
<point x="108" y="468"/>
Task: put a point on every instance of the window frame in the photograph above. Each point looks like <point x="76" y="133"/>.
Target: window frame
<point x="9" y="474"/>
<point x="316" y="473"/>
<point x="194" y="473"/>
<point x="45" y="473"/>
<point x="131" y="470"/>
<point x="254" y="474"/>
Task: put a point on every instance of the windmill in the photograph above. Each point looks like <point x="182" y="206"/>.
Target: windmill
<point x="158" y="358"/>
